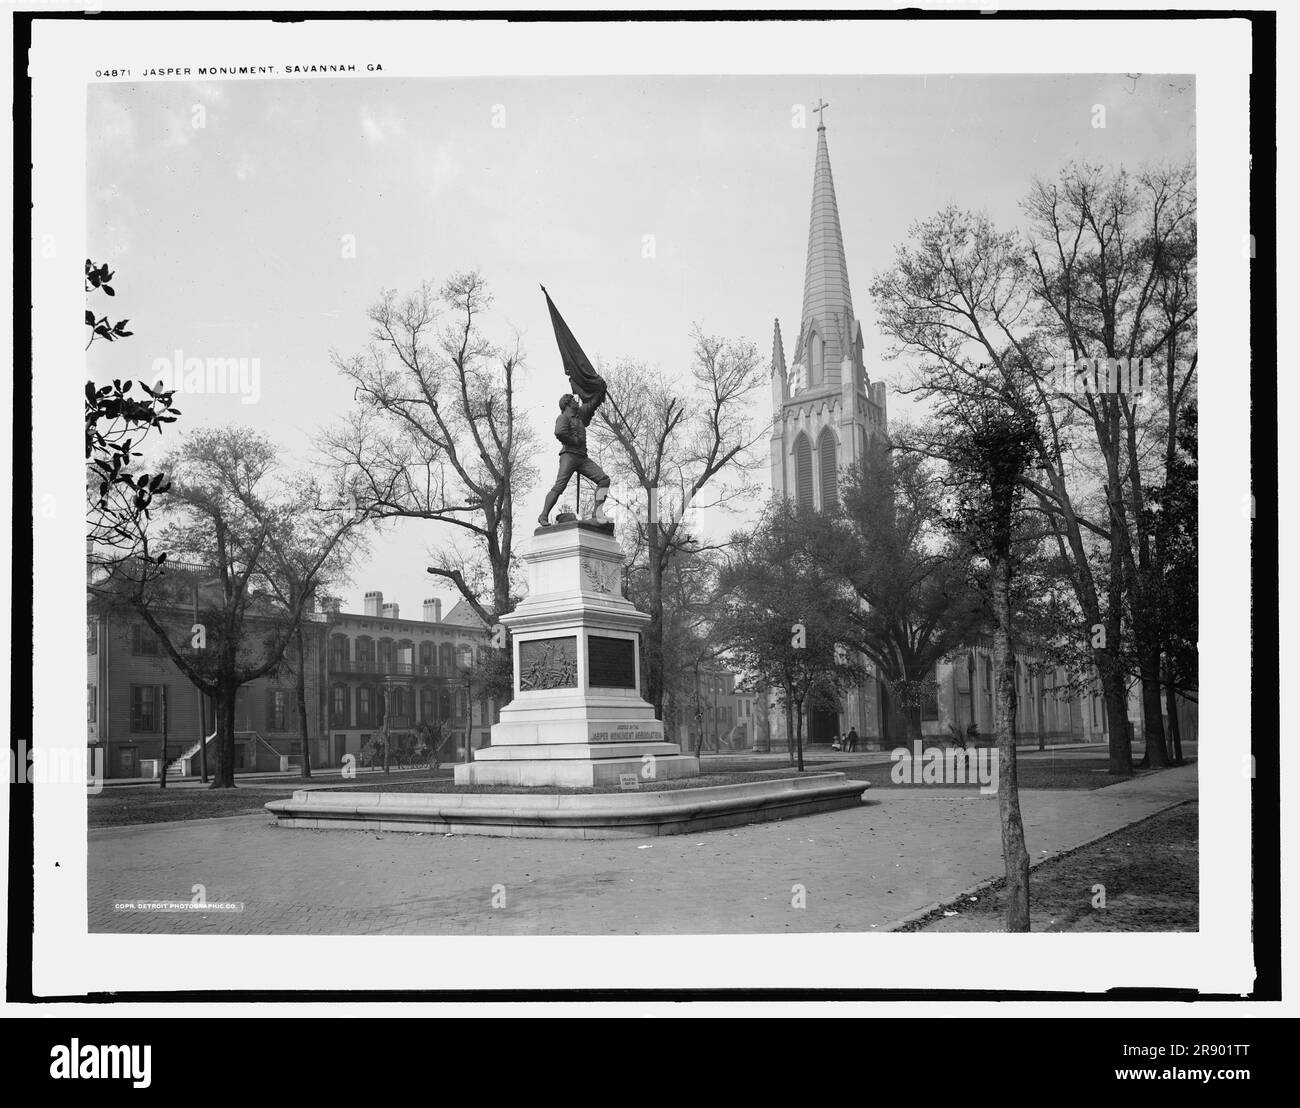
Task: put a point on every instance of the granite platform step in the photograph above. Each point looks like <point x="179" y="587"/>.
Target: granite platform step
<point x="634" y="814"/>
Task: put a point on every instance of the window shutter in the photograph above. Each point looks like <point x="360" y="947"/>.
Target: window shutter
<point x="830" y="470"/>
<point x="803" y="472"/>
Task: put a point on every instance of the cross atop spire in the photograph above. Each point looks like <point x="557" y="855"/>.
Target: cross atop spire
<point x="822" y="105"/>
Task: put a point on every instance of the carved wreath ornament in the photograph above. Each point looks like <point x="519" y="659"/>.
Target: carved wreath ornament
<point x="599" y="574"/>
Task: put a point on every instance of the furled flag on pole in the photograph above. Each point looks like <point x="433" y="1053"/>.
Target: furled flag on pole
<point x="582" y="377"/>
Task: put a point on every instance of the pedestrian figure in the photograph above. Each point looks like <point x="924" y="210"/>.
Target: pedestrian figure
<point x="851" y="743"/>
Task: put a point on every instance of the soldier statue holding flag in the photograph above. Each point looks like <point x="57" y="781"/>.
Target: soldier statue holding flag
<point x="576" y="412"/>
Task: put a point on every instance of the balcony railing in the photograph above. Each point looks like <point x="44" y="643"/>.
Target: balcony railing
<point x="382" y="669"/>
<point x="395" y="722"/>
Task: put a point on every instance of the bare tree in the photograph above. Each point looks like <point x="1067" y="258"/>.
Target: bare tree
<point x="227" y="515"/>
<point x="679" y="452"/>
<point x="1114" y="269"/>
<point x="291" y="570"/>
<point x="438" y="436"/>
<point x="966" y="298"/>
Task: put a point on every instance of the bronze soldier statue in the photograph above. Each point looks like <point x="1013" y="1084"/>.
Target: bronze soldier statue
<point x="571" y="430"/>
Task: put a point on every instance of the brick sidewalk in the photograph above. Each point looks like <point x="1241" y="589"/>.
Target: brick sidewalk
<point x="863" y="869"/>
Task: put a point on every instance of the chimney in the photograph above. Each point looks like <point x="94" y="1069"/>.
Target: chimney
<point x="433" y="611"/>
<point x="374" y="603"/>
<point x="390" y="611"/>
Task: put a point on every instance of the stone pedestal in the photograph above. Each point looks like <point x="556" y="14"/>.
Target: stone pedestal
<point x="577" y="718"/>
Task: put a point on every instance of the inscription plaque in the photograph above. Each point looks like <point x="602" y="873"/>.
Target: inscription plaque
<point x="611" y="663"/>
<point x="548" y="664"/>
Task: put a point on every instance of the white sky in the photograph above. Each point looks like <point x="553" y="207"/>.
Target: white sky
<point x="227" y="238"/>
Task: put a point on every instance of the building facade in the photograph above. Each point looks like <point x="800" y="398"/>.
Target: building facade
<point x="716" y="715"/>
<point x="361" y="669"/>
<point x="141" y="709"/>
<point x="408" y="671"/>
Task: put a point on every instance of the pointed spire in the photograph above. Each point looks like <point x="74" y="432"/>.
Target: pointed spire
<point x="778" y="351"/>
<point x="826" y="296"/>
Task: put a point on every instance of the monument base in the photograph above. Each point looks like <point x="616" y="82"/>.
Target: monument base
<point x="635" y="814"/>
<point x="577" y="765"/>
<point x="577" y="719"/>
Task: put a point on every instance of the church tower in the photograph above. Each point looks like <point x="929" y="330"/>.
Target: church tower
<point x="826" y="407"/>
<point x="826" y="410"/>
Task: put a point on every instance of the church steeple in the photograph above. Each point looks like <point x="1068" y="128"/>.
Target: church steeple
<point x="827" y="326"/>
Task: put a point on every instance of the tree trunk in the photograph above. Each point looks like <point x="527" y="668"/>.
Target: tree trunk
<point x="223" y="773"/>
<point x="1115" y="700"/>
<point x="913" y="718"/>
<point x="655" y="631"/>
<point x="302" y="703"/>
<point x="1014" y="854"/>
<point x="798" y="739"/>
<point x="162" y="769"/>
<point x="1175" y="731"/>
<point x="1153" y="728"/>
<point x="789" y="723"/>
<point x="1161" y="539"/>
<point x="699" y="714"/>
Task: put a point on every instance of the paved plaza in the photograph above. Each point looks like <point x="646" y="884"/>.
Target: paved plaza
<point x="864" y="869"/>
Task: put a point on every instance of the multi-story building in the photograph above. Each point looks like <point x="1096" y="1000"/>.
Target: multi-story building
<point x="136" y="697"/>
<point x="361" y="669"/>
<point x="410" y="671"/>
<point x="716" y="713"/>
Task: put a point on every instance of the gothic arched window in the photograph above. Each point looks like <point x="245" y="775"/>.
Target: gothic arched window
<point x="816" y="358"/>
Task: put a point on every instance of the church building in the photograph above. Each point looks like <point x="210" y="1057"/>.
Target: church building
<point x="826" y="409"/>
<point x="825" y="406"/>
